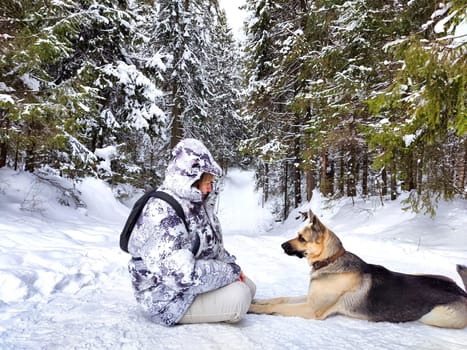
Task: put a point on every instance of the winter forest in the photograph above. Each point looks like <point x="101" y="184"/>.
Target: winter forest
<point x="354" y="98"/>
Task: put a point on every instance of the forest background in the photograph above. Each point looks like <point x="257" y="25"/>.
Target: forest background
<point x="355" y="98"/>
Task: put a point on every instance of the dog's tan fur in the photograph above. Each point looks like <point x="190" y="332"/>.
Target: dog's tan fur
<point x="341" y="283"/>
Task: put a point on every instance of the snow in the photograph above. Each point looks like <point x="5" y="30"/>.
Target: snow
<point x="31" y="82"/>
<point x="64" y="284"/>
<point x="408" y="139"/>
<point x="460" y="34"/>
<point x="6" y="99"/>
<point x="4" y="87"/>
<point x="107" y="154"/>
<point x="441" y="11"/>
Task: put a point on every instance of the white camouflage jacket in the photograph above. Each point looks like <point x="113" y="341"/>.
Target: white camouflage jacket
<point x="169" y="274"/>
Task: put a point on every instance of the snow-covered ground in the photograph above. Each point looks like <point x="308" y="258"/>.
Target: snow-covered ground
<point x="64" y="285"/>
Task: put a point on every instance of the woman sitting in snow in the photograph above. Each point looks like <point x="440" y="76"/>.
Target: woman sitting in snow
<point x="173" y="283"/>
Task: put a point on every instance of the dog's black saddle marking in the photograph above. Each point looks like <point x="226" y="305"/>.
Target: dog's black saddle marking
<point x="399" y="297"/>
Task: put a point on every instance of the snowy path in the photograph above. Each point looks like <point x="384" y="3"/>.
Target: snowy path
<point x="63" y="282"/>
<point x="239" y="206"/>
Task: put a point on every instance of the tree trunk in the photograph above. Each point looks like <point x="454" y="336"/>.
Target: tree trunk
<point x="93" y="141"/>
<point x="176" y="130"/>
<point x="327" y="175"/>
<point x="16" y="162"/>
<point x="297" y="173"/>
<point x="384" y="180"/>
<point x="323" y="185"/>
<point x="409" y="182"/>
<point x="393" y="181"/>
<point x="4" y="124"/>
<point x="177" y="101"/>
<point x="352" y="172"/>
<point x="413" y="173"/>
<point x="297" y="186"/>
<point x="286" y="190"/>
<point x="460" y="165"/>
<point x="309" y="171"/>
<point x="266" y="183"/>
<point x="310" y="184"/>
<point x="365" y="172"/>
<point x="29" y="159"/>
<point x="341" y="180"/>
<point x="420" y="166"/>
<point x="3" y="153"/>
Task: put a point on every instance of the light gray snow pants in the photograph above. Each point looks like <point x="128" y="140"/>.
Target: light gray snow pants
<point x="226" y="304"/>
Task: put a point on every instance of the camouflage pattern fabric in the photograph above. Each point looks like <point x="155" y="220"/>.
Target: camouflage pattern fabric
<point x="168" y="277"/>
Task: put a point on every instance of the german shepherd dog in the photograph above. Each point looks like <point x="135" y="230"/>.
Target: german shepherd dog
<point x="343" y="284"/>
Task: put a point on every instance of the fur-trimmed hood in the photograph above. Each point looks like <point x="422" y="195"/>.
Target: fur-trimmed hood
<point x="190" y="159"/>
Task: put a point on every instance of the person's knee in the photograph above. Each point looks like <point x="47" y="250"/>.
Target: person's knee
<point x="242" y="301"/>
<point x="252" y="286"/>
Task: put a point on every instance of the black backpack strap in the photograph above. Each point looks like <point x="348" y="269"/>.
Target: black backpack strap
<point x="132" y="218"/>
<point x="138" y="208"/>
<point x="173" y="203"/>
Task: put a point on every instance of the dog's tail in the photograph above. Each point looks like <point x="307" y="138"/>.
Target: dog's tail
<point x="462" y="270"/>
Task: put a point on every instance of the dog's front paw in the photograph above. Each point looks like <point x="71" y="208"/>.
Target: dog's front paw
<point x="273" y="301"/>
<point x="256" y="309"/>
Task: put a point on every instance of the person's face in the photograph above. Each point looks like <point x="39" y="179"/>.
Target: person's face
<point x="205" y="183"/>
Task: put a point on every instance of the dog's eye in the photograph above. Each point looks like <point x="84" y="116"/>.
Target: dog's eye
<point x="301" y="239"/>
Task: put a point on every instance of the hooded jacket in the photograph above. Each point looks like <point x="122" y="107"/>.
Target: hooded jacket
<point x="169" y="274"/>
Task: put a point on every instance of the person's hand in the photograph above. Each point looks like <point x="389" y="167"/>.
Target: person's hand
<point x="242" y="276"/>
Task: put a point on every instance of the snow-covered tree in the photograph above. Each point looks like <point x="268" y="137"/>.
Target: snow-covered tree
<point x="225" y="128"/>
<point x="264" y="143"/>
<point x="56" y="67"/>
<point x="197" y="55"/>
<point x="422" y="115"/>
<point x="312" y="67"/>
<point x="78" y="88"/>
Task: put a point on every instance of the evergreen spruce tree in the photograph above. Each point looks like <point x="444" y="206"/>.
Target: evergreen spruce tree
<point x="66" y="59"/>
<point x="265" y="143"/>
<point x="311" y="68"/>
<point x="423" y="118"/>
<point x="225" y="128"/>
<point x="339" y="94"/>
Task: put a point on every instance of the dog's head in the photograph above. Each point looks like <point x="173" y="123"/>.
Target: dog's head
<point x="314" y="242"/>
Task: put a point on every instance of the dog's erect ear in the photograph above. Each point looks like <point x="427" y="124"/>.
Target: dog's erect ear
<point x="317" y="226"/>
<point x="310" y="216"/>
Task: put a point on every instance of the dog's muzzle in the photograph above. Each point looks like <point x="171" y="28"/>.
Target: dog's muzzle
<point x="290" y="250"/>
